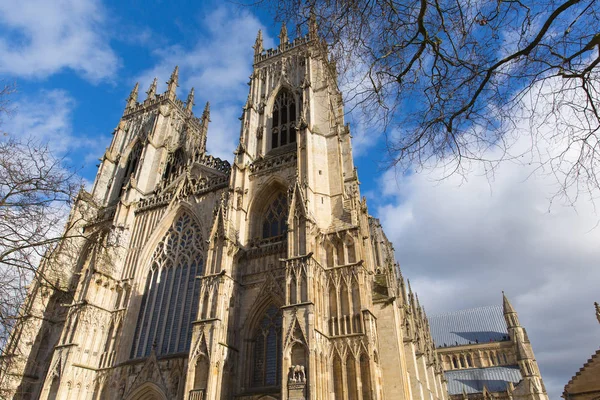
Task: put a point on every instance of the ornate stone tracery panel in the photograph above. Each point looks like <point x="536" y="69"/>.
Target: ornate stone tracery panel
<point x="170" y="300"/>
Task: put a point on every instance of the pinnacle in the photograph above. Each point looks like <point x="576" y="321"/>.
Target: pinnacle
<point x="508" y="308"/>
<point x="283" y="35"/>
<point x="206" y="112"/>
<point x="190" y="100"/>
<point x="151" y="92"/>
<point x="174" y="76"/>
<point x="258" y="44"/>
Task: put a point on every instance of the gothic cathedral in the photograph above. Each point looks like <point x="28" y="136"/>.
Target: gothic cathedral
<point x="202" y="280"/>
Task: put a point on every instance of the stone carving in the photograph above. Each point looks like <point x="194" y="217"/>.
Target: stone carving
<point x="297" y="374"/>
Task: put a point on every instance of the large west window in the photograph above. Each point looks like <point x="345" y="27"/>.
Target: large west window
<point x="283" y="129"/>
<point x="170" y="300"/>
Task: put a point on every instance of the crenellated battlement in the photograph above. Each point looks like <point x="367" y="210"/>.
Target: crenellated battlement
<point x="282" y="48"/>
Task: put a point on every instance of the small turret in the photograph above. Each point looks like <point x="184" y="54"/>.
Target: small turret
<point x="189" y="103"/>
<point x="173" y="83"/>
<point x="133" y="96"/>
<point x="258" y="44"/>
<point x="151" y="92"/>
<point x="283" y="35"/>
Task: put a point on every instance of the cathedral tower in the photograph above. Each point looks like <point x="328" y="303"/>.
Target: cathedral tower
<point x="264" y="279"/>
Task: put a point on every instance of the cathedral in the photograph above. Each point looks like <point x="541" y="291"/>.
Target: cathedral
<point x="198" y="279"/>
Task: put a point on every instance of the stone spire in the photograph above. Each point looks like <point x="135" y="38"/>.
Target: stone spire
<point x="258" y="44"/>
<point x="133" y="96"/>
<point x="151" y="92"/>
<point x="283" y="35"/>
<point x="190" y="100"/>
<point x="173" y="83"/>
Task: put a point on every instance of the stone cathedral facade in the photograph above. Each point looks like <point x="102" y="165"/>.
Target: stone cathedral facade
<point x="262" y="279"/>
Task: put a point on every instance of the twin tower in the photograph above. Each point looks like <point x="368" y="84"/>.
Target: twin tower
<point x="204" y="280"/>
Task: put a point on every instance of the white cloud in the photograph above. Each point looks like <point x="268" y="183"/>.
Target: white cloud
<point x="218" y="65"/>
<point x="47" y="118"/>
<point x="40" y="38"/>
<point x="462" y="240"/>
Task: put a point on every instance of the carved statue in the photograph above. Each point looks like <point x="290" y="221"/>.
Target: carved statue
<point x="297" y="374"/>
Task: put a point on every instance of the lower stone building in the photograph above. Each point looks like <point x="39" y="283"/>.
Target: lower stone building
<point x="486" y="354"/>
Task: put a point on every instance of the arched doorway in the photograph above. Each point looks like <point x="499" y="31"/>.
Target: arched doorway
<point x="148" y="391"/>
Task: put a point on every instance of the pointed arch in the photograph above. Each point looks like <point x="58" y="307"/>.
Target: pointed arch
<point x="284" y="113"/>
<point x="264" y="209"/>
<point x="365" y="377"/>
<point x="201" y="372"/>
<point x="148" y="391"/>
<point x="169" y="302"/>
<point x="265" y="354"/>
<point x="351" y="377"/>
<point x="274" y="218"/>
<point x="338" y="380"/>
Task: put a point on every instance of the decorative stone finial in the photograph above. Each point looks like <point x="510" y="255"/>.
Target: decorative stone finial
<point x="132" y="99"/>
<point x="283" y="35"/>
<point x="258" y="44"/>
<point x="597" y="310"/>
<point x="174" y="79"/>
<point x="190" y="100"/>
<point x="173" y="82"/>
<point x="206" y="113"/>
<point x="152" y="89"/>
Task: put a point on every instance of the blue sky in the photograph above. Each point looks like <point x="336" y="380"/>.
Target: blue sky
<point x="460" y="240"/>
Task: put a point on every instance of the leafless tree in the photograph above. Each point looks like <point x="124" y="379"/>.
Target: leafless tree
<point x="459" y="80"/>
<point x="45" y="218"/>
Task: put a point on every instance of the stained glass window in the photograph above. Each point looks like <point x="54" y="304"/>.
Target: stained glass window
<point x="170" y="300"/>
<point x="284" y="119"/>
<point x="275" y="218"/>
<point x="267" y="349"/>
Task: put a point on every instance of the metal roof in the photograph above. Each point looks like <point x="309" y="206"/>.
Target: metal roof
<point x="472" y="380"/>
<point x="476" y="325"/>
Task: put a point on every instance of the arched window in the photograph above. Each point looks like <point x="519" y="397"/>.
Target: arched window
<point x="284" y="118"/>
<point x="175" y="164"/>
<point x="275" y="217"/>
<point x="132" y="163"/>
<point x="170" y="301"/>
<point x="267" y="349"/>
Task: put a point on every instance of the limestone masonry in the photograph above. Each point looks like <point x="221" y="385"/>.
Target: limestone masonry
<point x="265" y="279"/>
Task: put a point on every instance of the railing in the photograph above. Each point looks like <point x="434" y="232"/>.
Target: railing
<point x="345" y="325"/>
<point x="196" y="394"/>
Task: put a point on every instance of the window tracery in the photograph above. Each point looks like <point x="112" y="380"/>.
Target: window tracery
<point x="284" y="118"/>
<point x="132" y="163"/>
<point x="170" y="300"/>
<point x="267" y="349"/>
<point x="275" y="217"/>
